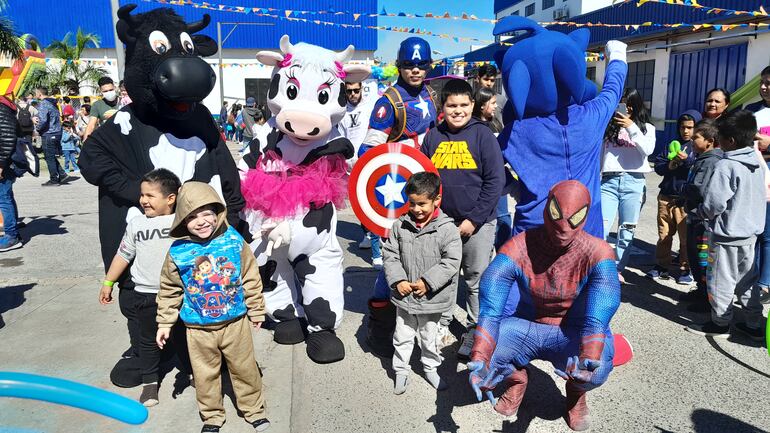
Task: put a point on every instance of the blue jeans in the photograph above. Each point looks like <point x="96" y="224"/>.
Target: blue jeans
<point x="622" y="195"/>
<point x="504" y="222"/>
<point x="8" y="204"/>
<point x="51" y="146"/>
<point x="70" y="156"/>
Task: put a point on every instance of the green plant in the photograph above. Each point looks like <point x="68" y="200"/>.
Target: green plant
<point x="69" y="72"/>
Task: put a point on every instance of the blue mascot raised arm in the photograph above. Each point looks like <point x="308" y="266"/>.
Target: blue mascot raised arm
<point x="559" y="119"/>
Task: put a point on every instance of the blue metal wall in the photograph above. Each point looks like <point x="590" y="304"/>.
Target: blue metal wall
<point x="502" y="4"/>
<point x="692" y="74"/>
<point x="52" y="19"/>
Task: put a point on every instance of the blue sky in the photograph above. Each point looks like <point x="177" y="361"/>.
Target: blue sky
<point x="388" y="41"/>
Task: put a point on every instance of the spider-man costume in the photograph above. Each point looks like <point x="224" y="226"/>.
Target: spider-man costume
<point x="549" y="294"/>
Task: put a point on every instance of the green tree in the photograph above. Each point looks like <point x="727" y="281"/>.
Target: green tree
<point x="70" y="72"/>
<point x="9" y="44"/>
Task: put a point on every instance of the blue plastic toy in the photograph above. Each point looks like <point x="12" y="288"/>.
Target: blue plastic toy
<point x="60" y="391"/>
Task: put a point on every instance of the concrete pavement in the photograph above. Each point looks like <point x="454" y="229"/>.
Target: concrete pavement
<point x="52" y="324"/>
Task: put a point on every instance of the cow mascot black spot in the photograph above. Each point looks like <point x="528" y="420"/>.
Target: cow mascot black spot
<point x="165" y="126"/>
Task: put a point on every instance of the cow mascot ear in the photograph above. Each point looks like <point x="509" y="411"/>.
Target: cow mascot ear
<point x="204" y="45"/>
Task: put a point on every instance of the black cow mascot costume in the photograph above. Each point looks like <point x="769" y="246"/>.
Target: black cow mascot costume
<point x="165" y="126"/>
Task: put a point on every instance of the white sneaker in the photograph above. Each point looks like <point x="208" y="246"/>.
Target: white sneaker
<point x="377" y="263"/>
<point x="365" y="243"/>
<point x="466" y="345"/>
<point x="443" y="336"/>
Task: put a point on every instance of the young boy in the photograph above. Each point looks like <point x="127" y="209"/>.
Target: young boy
<point x="470" y="163"/>
<point x="674" y="165"/>
<point x="704" y="138"/>
<point x="211" y="281"/>
<point x="144" y="246"/>
<point x="69" y="147"/>
<point x="422" y="260"/>
<point x="734" y="204"/>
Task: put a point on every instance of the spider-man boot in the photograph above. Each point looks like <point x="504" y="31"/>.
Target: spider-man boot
<point x="577" y="415"/>
<point x="508" y="403"/>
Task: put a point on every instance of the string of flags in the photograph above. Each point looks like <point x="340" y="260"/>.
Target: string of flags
<point x="79" y="62"/>
<point x="711" y="10"/>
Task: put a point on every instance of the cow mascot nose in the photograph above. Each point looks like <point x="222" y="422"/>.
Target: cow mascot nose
<point x="184" y="79"/>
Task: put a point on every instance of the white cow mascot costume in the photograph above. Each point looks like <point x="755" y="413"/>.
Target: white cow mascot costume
<point x="292" y="180"/>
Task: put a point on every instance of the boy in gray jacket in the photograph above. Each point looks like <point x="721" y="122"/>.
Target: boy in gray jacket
<point x="734" y="204"/>
<point x="421" y="261"/>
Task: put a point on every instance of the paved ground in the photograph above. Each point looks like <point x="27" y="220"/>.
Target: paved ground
<point x="51" y="323"/>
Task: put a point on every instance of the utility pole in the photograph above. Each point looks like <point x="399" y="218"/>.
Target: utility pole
<point x="221" y="77"/>
<point x="121" y="54"/>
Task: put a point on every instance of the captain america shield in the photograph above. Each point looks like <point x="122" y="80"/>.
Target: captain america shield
<point x="377" y="181"/>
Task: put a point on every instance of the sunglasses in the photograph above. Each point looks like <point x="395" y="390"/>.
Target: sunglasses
<point x="424" y="65"/>
<point x="352" y="91"/>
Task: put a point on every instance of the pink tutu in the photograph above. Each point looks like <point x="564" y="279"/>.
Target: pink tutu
<point x="288" y="193"/>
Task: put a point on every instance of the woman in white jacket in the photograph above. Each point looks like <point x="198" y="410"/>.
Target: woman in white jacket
<point x="628" y="141"/>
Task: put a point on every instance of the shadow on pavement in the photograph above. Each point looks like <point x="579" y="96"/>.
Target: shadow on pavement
<point x="708" y="421"/>
<point x="354" y="233"/>
<point x="640" y="292"/>
<point x="45" y="225"/>
<point x="12" y="297"/>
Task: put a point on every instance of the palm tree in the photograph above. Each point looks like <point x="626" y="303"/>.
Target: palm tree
<point x="70" y="72"/>
<point x="9" y="44"/>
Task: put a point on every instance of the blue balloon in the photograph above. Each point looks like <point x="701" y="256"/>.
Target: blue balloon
<point x="60" y="391"/>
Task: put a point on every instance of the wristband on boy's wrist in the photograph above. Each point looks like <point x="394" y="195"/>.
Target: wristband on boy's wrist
<point x="108" y="283"/>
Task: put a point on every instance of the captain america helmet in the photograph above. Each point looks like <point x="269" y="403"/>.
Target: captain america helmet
<point x="414" y="52"/>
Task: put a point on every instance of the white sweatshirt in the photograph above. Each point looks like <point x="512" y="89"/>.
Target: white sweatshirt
<point x="630" y="152"/>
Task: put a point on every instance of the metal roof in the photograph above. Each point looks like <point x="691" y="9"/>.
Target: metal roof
<point x="629" y="13"/>
<point x="52" y="19"/>
<point x="502" y="4"/>
<point x="659" y="13"/>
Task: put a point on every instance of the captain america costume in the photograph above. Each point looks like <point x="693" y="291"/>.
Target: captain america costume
<point x="549" y="294"/>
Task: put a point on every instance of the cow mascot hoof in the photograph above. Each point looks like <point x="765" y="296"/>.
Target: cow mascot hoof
<point x="293" y="178"/>
<point x="325" y="347"/>
<point x="126" y="373"/>
<point x="289" y="332"/>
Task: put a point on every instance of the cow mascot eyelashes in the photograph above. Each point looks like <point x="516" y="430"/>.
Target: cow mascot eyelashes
<point x="165" y="126"/>
<point x="292" y="180"/>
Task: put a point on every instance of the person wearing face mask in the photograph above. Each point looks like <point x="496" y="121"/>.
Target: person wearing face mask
<point x="104" y="108"/>
<point x="562" y="285"/>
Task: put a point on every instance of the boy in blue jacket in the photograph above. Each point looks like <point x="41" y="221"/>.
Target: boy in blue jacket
<point x="69" y="147"/>
<point x="673" y="163"/>
<point x="470" y="163"/>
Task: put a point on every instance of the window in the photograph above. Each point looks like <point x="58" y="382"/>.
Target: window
<point x="591" y="73"/>
<point x="641" y="76"/>
<point x="548" y="4"/>
<point x="516" y="12"/>
<point x="529" y="10"/>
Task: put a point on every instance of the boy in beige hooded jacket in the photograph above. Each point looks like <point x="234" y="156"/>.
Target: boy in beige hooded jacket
<point x="211" y="281"/>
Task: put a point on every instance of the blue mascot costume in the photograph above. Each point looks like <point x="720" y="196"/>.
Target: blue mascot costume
<point x="559" y="120"/>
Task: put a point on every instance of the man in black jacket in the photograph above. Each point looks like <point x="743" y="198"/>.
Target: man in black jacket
<point x="9" y="129"/>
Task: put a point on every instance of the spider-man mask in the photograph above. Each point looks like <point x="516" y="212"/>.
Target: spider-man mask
<point x="565" y="212"/>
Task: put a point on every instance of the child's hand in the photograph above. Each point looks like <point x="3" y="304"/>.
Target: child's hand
<point x="419" y="288"/>
<point x="682" y="156"/>
<point x="162" y="336"/>
<point x="105" y="295"/>
<point x="404" y="288"/>
<point x="256" y="325"/>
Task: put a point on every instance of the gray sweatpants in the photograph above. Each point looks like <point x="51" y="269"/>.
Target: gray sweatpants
<point x="477" y="254"/>
<point x="730" y="272"/>
<point x="422" y="326"/>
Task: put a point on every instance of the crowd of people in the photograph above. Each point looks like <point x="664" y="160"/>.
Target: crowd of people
<point x="714" y="193"/>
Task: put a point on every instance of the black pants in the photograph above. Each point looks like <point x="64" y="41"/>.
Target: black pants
<point x="51" y="148"/>
<point x="150" y="354"/>
<point x="128" y="299"/>
<point x="696" y="236"/>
